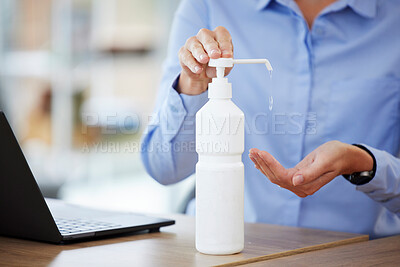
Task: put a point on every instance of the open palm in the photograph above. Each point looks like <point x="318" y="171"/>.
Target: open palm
<point x="316" y="170"/>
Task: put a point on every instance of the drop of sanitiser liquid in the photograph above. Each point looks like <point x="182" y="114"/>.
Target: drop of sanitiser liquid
<point x="271" y="99"/>
<point x="271" y="102"/>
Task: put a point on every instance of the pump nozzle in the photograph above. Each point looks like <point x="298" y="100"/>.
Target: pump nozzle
<point x="220" y="88"/>
<point x="222" y="63"/>
<point x="254" y="61"/>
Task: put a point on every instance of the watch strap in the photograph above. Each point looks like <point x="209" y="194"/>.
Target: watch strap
<point x="361" y="178"/>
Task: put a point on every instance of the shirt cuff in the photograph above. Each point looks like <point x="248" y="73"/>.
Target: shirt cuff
<point x="176" y="108"/>
<point x="192" y="103"/>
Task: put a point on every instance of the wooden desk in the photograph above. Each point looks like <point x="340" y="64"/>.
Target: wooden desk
<point x="378" y="252"/>
<point x="174" y="246"/>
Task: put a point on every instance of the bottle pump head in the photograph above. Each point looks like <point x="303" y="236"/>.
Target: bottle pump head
<point x="220" y="88"/>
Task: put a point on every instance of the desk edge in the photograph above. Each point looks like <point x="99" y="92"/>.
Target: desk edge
<point x="332" y="244"/>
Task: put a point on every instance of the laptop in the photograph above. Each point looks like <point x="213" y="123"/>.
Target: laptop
<point x="25" y="213"/>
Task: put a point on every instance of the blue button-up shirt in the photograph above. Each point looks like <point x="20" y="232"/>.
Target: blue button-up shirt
<point x="339" y="80"/>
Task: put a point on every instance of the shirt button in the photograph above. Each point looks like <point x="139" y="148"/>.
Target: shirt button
<point x="174" y="109"/>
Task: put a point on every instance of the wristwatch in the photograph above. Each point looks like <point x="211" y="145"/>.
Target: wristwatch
<point x="364" y="177"/>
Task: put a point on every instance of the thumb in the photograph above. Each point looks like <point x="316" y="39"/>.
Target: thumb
<point x="308" y="173"/>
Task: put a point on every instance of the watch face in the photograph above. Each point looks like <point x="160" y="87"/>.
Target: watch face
<point x="365" y="173"/>
<point x="360" y="178"/>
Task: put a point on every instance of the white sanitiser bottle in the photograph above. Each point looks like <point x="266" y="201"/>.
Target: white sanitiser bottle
<point x="220" y="170"/>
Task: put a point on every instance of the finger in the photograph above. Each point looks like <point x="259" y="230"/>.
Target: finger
<point x="310" y="173"/>
<point x="268" y="175"/>
<point x="186" y="58"/>
<point x="194" y="46"/>
<point x="276" y="168"/>
<point x="267" y="171"/>
<point x="253" y="151"/>
<point x="299" y="193"/>
<point x="227" y="71"/>
<point x="224" y="40"/>
<point x="263" y="169"/>
<point x="211" y="72"/>
<point x="254" y="154"/>
<point x="280" y="174"/>
<point x="253" y="160"/>
<point x="257" y="165"/>
<point x="206" y="38"/>
<point x="317" y="184"/>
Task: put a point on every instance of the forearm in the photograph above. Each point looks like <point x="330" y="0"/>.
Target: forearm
<point x="168" y="162"/>
<point x="168" y="147"/>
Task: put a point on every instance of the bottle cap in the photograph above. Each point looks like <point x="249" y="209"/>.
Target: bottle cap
<point x="219" y="88"/>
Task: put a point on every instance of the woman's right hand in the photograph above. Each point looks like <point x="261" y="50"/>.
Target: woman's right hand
<point x="194" y="57"/>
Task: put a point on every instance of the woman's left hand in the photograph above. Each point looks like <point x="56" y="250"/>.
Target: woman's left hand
<point x="316" y="170"/>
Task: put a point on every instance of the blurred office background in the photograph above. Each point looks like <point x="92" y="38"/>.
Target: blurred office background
<point x="78" y="81"/>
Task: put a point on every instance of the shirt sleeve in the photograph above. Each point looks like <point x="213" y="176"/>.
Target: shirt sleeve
<point x="385" y="186"/>
<point x="168" y="143"/>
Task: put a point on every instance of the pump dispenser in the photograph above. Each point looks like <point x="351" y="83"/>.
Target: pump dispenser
<point x="220" y="170"/>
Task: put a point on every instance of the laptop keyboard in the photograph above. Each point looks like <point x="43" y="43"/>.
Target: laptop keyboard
<point x="72" y="226"/>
